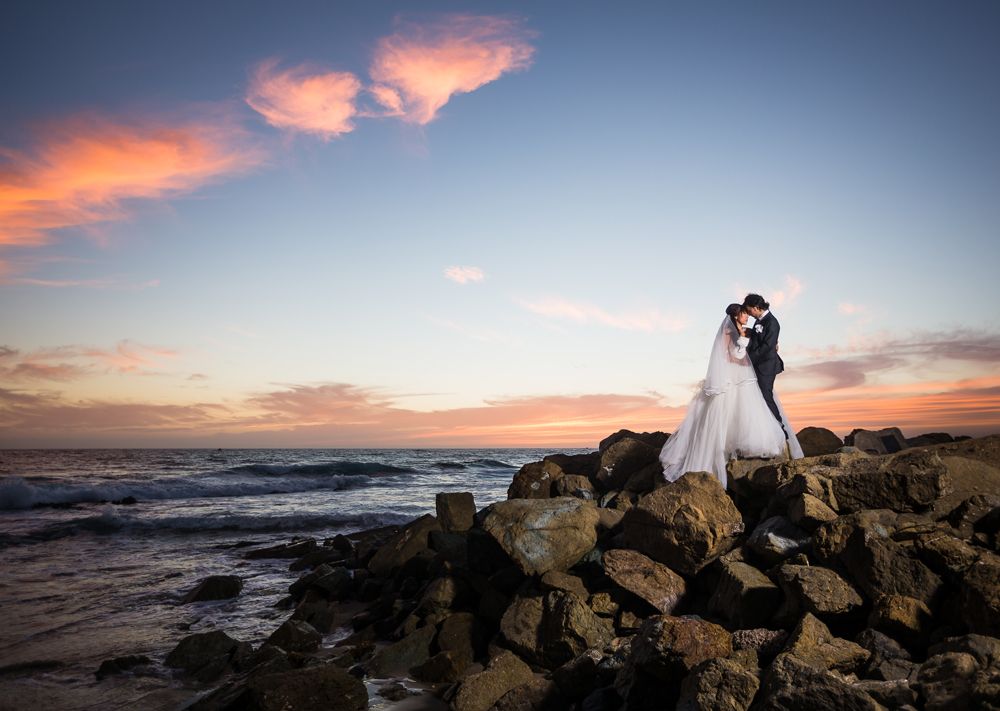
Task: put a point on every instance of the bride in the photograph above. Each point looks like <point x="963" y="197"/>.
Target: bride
<point x="728" y="416"/>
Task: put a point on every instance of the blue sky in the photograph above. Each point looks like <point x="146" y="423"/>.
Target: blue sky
<point x="637" y="168"/>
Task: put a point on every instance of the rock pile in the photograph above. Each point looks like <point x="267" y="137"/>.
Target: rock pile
<point x="844" y="580"/>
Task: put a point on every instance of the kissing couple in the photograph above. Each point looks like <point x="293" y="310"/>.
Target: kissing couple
<point x="735" y="412"/>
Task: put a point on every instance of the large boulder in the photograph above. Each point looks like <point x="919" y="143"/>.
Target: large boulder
<point x="573" y="464"/>
<point x="207" y="655"/>
<point x="791" y="684"/>
<point x="818" y="440"/>
<point x="910" y="481"/>
<point x="685" y="525"/>
<point x="744" y="595"/>
<point x="981" y="595"/>
<point x="885" y="441"/>
<point x="403" y="545"/>
<point x="296" y="636"/>
<point x="670" y="647"/>
<point x="455" y="511"/>
<point x="653" y="582"/>
<point x="543" y="535"/>
<point x="880" y="566"/>
<point x="812" y="642"/>
<point x="653" y="439"/>
<point x="945" y="681"/>
<point x="398" y="658"/>
<point x="534" y="481"/>
<point x="552" y="630"/>
<point x="215" y="587"/>
<point x="817" y="590"/>
<point x="325" y="687"/>
<point x="478" y="692"/>
<point x="718" y="684"/>
<point x="623" y="459"/>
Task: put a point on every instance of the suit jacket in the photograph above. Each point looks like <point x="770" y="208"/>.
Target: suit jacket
<point x="761" y="350"/>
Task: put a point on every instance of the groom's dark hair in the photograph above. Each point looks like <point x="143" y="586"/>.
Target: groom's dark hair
<point x="756" y="301"/>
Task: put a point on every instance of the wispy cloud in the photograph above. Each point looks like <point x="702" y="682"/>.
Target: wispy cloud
<point x="422" y="65"/>
<point x="109" y="283"/>
<point x="464" y="275"/>
<point x="305" y="98"/>
<point x="88" y="169"/>
<point x="789" y="294"/>
<point x="64" y="363"/>
<point x="648" y="320"/>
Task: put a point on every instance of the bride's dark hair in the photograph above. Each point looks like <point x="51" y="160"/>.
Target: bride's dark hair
<point x="733" y="310"/>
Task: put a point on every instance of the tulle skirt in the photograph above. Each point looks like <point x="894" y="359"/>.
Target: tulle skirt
<point x="717" y="428"/>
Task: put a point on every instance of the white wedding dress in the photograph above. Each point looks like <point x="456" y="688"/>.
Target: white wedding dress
<point x="727" y="417"/>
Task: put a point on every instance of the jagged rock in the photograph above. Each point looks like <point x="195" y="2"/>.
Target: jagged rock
<point x="325" y="687"/>
<point x="442" y="595"/>
<point x="398" y="658"/>
<point x="816" y="590"/>
<point x="945" y="681"/>
<point x="903" y="618"/>
<point x="579" y="676"/>
<point x="296" y="636"/>
<point x="543" y="535"/>
<point x="893" y="694"/>
<point x="986" y="650"/>
<point x="816" y="441"/>
<point x="319" y="556"/>
<point x="765" y="643"/>
<point x="880" y="566"/>
<point x="455" y="511"/>
<point x="889" y="660"/>
<point x="744" y="595"/>
<point x="335" y="583"/>
<point x="946" y="555"/>
<point x="610" y="519"/>
<point x="884" y="441"/>
<point x="656" y="440"/>
<point x="603" y="604"/>
<point x="809" y="512"/>
<point x="645" y="480"/>
<point x="573" y="485"/>
<point x="536" y="695"/>
<point x="623" y="459"/>
<point x="685" y="525"/>
<point x="215" y="587"/>
<point x="533" y="481"/>
<point x="551" y="630"/>
<point x="985" y="694"/>
<point x="653" y="582"/>
<point x="207" y="655"/>
<point x="793" y="685"/>
<point x="295" y="549"/>
<point x="830" y="539"/>
<point x="981" y="595"/>
<point x="120" y="665"/>
<point x="776" y="539"/>
<point x="975" y="513"/>
<point x="929" y="439"/>
<point x="478" y="692"/>
<point x="718" y="685"/>
<point x="909" y="481"/>
<point x="556" y="580"/>
<point x="670" y="647"/>
<point x="573" y="464"/>
<point x="812" y="642"/>
<point x="460" y="633"/>
<point x="443" y="667"/>
<point x="452" y="547"/>
<point x="317" y="610"/>
<point x="403" y="545"/>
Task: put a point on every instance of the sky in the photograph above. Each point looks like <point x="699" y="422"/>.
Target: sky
<point x="440" y="224"/>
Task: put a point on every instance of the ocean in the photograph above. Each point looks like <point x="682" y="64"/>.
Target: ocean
<point x="87" y="575"/>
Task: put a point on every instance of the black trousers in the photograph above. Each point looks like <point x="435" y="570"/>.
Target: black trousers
<point x="766" y="383"/>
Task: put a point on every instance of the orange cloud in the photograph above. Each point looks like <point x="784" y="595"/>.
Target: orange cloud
<point x="75" y="362"/>
<point x="420" y="67"/>
<point x="305" y="99"/>
<point x="86" y="170"/>
<point x="649" y="320"/>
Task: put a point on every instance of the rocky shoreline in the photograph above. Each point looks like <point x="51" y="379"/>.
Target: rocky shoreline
<point x="843" y="580"/>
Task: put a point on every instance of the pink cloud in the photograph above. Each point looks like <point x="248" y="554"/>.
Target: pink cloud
<point x="306" y="99"/>
<point x="789" y="295"/>
<point x="463" y="275"/>
<point x="74" y="362"/>
<point x="420" y="67"/>
<point x="86" y="170"/>
<point x="648" y="320"/>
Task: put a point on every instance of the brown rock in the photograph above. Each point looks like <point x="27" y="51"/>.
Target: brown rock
<point x="791" y="684"/>
<point x="884" y="441"/>
<point x="744" y="595"/>
<point x="455" y="511"/>
<point x="809" y="512"/>
<point x="945" y="681"/>
<point x="830" y="539"/>
<point x="215" y="587"/>
<point x="296" y="636"/>
<point x="685" y="525"/>
<point x="576" y="464"/>
<point x="573" y="485"/>
<point x="981" y="595"/>
<point x="718" y="684"/>
<point x="398" y="658"/>
<point x="623" y="459"/>
<point x="653" y="582"/>
<point x="532" y="481"/>
<point x="206" y="655"/>
<point x="543" y="535"/>
<point x="775" y="539"/>
<point x="670" y="647"/>
<point x="880" y="566"/>
<point x="443" y="667"/>
<point x="902" y="618"/>
<point x="403" y="545"/>
<point x="892" y="694"/>
<point x="325" y="686"/>
<point x="946" y="555"/>
<point x="556" y="580"/>
<point x="909" y="481"/>
<point x="812" y="643"/>
<point x="655" y="440"/>
<point x="536" y="695"/>
<point x="816" y="590"/>
<point x="818" y="440"/>
<point x="478" y="692"/>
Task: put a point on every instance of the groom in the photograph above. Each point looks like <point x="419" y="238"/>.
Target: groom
<point x="763" y="349"/>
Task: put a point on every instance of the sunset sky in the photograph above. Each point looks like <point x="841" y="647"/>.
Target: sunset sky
<point x="489" y="224"/>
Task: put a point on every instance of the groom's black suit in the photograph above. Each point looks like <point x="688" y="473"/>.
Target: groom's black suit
<point x="766" y="361"/>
